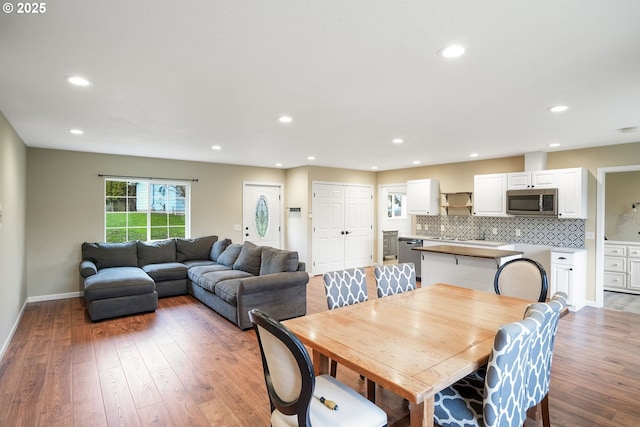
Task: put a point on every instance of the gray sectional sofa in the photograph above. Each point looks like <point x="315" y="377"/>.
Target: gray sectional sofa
<point x="128" y="278"/>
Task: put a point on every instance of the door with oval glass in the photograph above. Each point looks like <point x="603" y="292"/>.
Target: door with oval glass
<point x="262" y="214"/>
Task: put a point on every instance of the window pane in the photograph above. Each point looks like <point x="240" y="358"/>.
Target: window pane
<point x="116" y="204"/>
<point x="159" y="233"/>
<point x="116" y="219"/>
<point x="177" y="232"/>
<point x="116" y="235"/>
<point x="158" y="219"/>
<point x="177" y="219"/>
<point x="137" y="219"/>
<point x="137" y="234"/>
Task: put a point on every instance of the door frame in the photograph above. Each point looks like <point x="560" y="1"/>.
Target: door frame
<point x="280" y="186"/>
<point x="600" y="213"/>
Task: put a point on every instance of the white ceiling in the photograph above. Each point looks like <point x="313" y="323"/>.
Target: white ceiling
<point x="172" y="78"/>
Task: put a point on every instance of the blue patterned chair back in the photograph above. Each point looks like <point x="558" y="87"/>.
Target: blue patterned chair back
<point x="394" y="279"/>
<point x="504" y="402"/>
<point x="345" y="287"/>
<point x="539" y="371"/>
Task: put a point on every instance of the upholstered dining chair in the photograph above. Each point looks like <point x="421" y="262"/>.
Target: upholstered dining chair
<point x="295" y="393"/>
<point x="394" y="279"/>
<point x="342" y="288"/>
<point x="523" y="278"/>
<point x="541" y="355"/>
<point x="500" y="399"/>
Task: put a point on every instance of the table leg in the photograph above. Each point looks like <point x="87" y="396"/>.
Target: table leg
<point x="320" y="363"/>
<point x="421" y="414"/>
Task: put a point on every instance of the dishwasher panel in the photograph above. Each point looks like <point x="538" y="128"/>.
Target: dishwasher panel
<point x="407" y="254"/>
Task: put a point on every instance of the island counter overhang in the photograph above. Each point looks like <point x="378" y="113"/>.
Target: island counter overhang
<point x="470" y="267"/>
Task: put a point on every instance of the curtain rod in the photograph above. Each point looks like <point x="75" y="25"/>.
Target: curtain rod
<point x="147" y="177"/>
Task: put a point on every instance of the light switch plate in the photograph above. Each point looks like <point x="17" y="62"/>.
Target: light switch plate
<point x="589" y="235"/>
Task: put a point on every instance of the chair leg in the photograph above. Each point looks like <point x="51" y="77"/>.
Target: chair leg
<point x="371" y="391"/>
<point x="333" y="369"/>
<point x="544" y="408"/>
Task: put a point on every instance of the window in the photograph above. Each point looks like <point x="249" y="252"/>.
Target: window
<point x="145" y="210"/>
<point x="396" y="205"/>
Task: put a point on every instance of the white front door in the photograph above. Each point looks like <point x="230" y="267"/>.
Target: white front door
<point x="342" y="227"/>
<point x="262" y="214"/>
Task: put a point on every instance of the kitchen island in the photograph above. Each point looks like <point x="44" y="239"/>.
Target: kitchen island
<point x="470" y="267"/>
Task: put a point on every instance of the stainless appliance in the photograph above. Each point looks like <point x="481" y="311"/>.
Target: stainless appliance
<point x="533" y="202"/>
<point x="407" y="254"/>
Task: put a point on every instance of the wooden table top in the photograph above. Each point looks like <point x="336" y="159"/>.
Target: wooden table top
<point x="416" y="343"/>
<point x="467" y="251"/>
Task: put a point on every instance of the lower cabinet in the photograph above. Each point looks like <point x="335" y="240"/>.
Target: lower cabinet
<point x="569" y="275"/>
<point x="622" y="266"/>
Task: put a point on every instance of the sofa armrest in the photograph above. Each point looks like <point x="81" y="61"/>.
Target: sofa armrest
<point x="88" y="268"/>
<point x="274" y="282"/>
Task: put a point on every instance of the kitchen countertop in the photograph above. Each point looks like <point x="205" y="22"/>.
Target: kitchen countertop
<point x="444" y="240"/>
<point x="496" y="254"/>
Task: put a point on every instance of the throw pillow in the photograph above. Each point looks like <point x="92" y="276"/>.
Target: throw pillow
<point x="217" y="248"/>
<point x="230" y="255"/>
<point x="105" y="255"/>
<point x="198" y="248"/>
<point x="249" y="258"/>
<point x="156" y="252"/>
<point x="278" y="261"/>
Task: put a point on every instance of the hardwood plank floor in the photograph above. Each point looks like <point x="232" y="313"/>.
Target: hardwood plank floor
<point x="185" y="365"/>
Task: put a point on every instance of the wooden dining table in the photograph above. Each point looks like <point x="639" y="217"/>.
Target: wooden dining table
<point x="413" y="344"/>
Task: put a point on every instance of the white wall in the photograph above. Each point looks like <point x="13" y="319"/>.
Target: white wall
<point x="13" y="264"/>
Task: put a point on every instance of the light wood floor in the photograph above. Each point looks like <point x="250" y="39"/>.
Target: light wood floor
<point x="185" y="365"/>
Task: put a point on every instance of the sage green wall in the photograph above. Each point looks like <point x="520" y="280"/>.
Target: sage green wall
<point x="66" y="206"/>
<point x="13" y="259"/>
<point x="622" y="189"/>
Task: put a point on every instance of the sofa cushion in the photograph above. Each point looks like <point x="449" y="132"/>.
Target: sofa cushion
<point x="212" y="279"/>
<point x="156" y="252"/>
<point x="114" y="282"/>
<point x="230" y="255"/>
<point x="278" y="261"/>
<point x="197" y="262"/>
<point x="196" y="273"/>
<point x="197" y="248"/>
<point x="217" y="248"/>
<point x="249" y="258"/>
<point x="166" y="271"/>
<point x="105" y="255"/>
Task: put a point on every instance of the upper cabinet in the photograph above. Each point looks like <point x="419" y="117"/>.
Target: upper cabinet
<point x="536" y="179"/>
<point x="490" y="195"/>
<point x="572" y="192"/>
<point x="423" y="196"/>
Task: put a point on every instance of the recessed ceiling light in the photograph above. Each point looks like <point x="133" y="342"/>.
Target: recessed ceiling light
<point x="416" y="162"/>
<point x="76" y="131"/>
<point x="554" y="144"/>
<point x="78" y="81"/>
<point x="285" y="119"/>
<point x="453" y="51"/>
<point x="279" y="164"/>
<point x="397" y="140"/>
<point x="374" y="167"/>
<point x="558" y="108"/>
<point x="473" y="155"/>
<point x="311" y="158"/>
<point x="216" y="147"/>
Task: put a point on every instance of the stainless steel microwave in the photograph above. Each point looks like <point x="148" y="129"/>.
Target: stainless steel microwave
<point x="533" y="202"/>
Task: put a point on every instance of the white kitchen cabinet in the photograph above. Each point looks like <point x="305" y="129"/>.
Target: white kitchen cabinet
<point x="622" y="266"/>
<point x="534" y="179"/>
<point x="569" y="275"/>
<point x="423" y="196"/>
<point x="490" y="195"/>
<point x="572" y="193"/>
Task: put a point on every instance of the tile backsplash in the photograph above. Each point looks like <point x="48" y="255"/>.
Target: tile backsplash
<point x="535" y="231"/>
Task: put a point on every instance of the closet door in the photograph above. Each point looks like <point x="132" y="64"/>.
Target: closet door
<point x="342" y="217"/>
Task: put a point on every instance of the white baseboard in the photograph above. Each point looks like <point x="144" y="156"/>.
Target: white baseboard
<point x="5" y="345"/>
<point x="53" y="297"/>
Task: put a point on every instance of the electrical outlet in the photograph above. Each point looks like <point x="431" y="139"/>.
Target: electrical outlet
<point x="419" y="227"/>
<point x="589" y="235"/>
<point x="494" y="231"/>
<point x="518" y="232"/>
<point x="441" y="227"/>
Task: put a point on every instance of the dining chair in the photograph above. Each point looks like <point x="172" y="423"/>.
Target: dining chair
<point x="500" y="399"/>
<point x="394" y="279"/>
<point x="342" y="288"/>
<point x="523" y="278"/>
<point x="541" y="355"/>
<point x="298" y="398"/>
